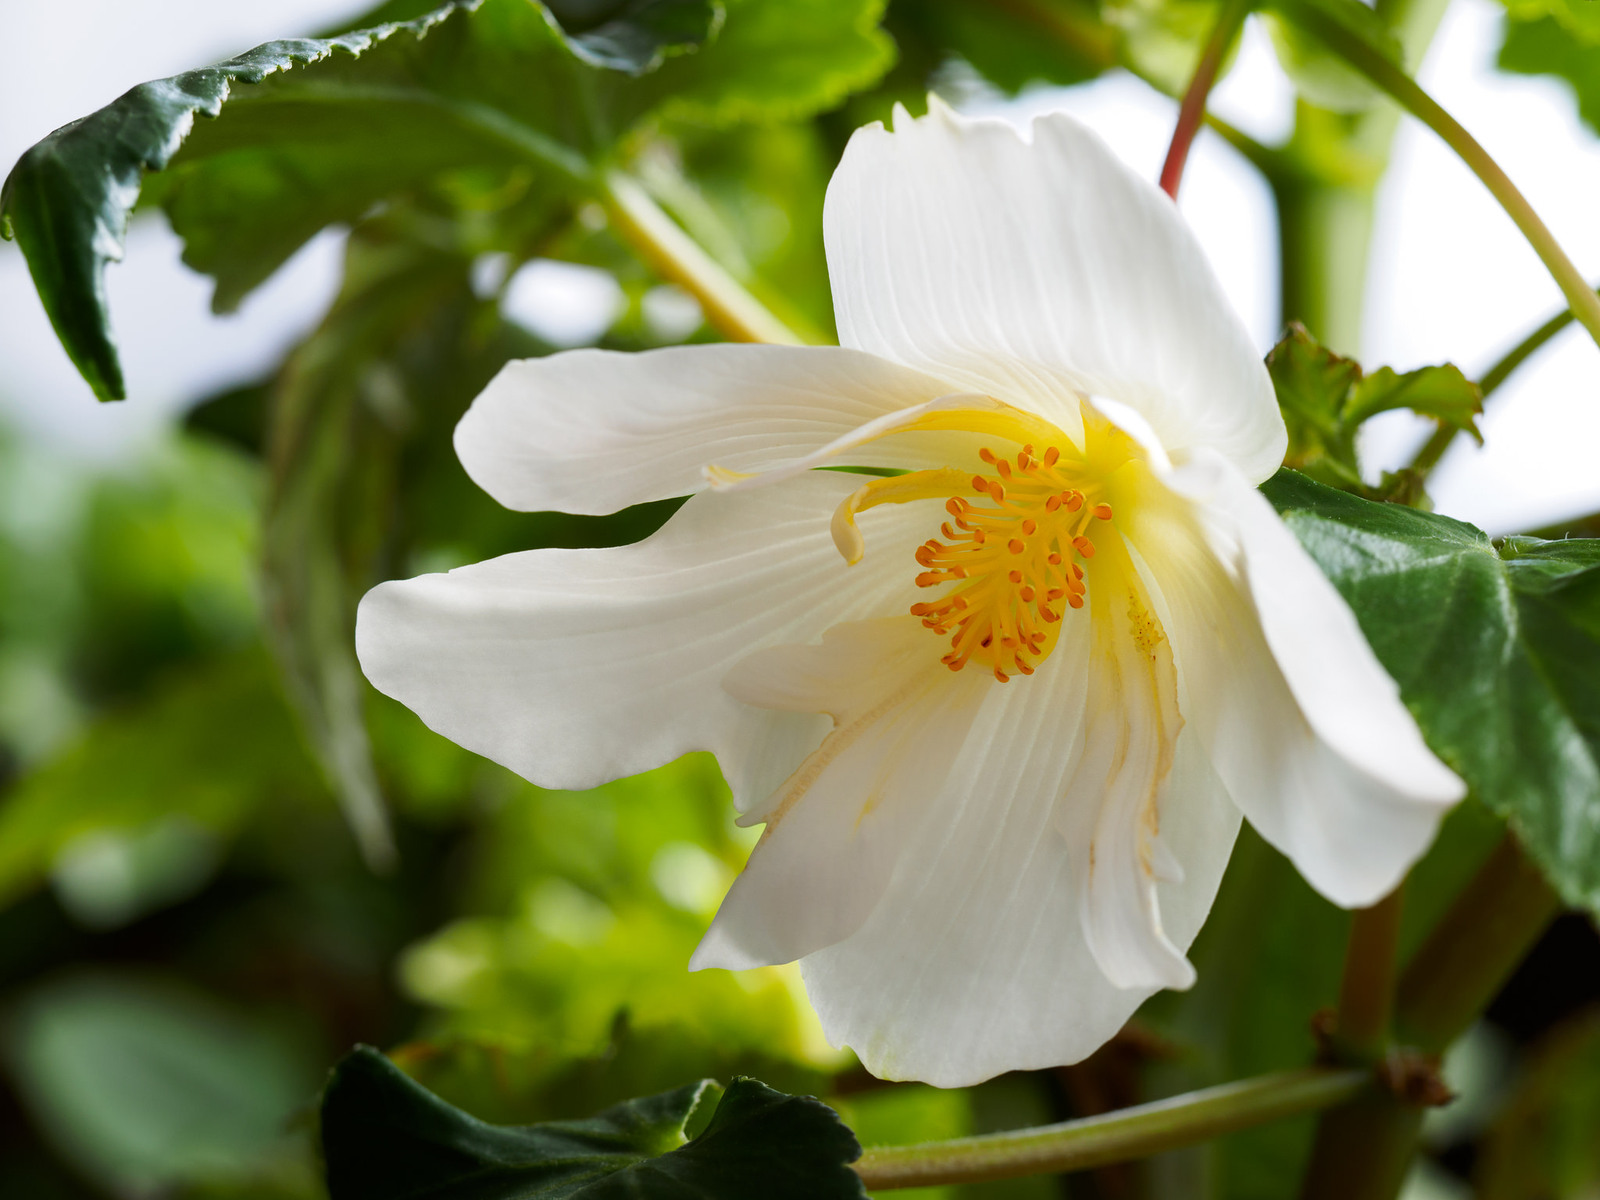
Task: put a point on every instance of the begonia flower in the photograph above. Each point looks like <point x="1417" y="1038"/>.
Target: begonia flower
<point x="1000" y="694"/>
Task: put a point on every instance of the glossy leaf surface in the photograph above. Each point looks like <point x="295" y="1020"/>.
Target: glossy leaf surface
<point x="385" y="1137"/>
<point x="1496" y="650"/>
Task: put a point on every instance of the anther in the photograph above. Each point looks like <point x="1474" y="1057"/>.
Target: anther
<point x="1074" y="500"/>
<point x="1053" y="559"/>
<point x="980" y="485"/>
<point x="987" y="455"/>
<point x="1001" y="675"/>
<point x="1051" y="454"/>
<point x="1029" y="528"/>
<point x="1015" y="577"/>
<point x="1075" y="600"/>
<point x="1103" y="511"/>
<point x="1026" y="595"/>
<point x="1004" y="468"/>
<point x="1083" y="546"/>
<point x="1016" y="546"/>
<point x="995" y="490"/>
<point x="1052" y="504"/>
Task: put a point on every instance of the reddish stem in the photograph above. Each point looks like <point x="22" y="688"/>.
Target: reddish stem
<point x="1193" y="109"/>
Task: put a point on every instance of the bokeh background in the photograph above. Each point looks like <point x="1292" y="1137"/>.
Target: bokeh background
<point x="189" y="934"/>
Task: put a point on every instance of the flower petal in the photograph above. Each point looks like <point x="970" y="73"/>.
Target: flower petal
<point x="1038" y="270"/>
<point x="974" y="960"/>
<point x="1303" y="725"/>
<point x="838" y="825"/>
<point x="593" y="431"/>
<point x="1129" y="735"/>
<point x="574" y="667"/>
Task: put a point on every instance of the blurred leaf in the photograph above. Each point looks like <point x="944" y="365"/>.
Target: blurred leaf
<point x="1542" y="1144"/>
<point x="1319" y="75"/>
<point x="1325" y="398"/>
<point x="589" y="905"/>
<point x="1545" y="45"/>
<point x="211" y="746"/>
<point x="777" y="61"/>
<point x="385" y="1137"/>
<point x="1017" y="43"/>
<point x="492" y="96"/>
<point x="143" y="1086"/>
<point x="1162" y="39"/>
<point x="1496" y="653"/>
<point x="1353" y="17"/>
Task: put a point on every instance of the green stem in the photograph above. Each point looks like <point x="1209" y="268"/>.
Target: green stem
<point x="1366" y="994"/>
<point x="1193" y="107"/>
<point x="1410" y="96"/>
<point x="1433" y="450"/>
<point x="677" y="257"/>
<point x="1113" y="1137"/>
<point x="1362" y="1150"/>
<point x="1473" y="949"/>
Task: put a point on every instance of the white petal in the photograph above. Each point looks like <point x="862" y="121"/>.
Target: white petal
<point x="1129" y="734"/>
<point x="1034" y="271"/>
<point x="573" y="667"/>
<point x="1303" y="726"/>
<point x="974" y="961"/>
<point x="837" y="827"/>
<point x="593" y="431"/>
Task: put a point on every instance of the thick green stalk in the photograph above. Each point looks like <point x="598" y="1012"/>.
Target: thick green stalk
<point x="1366" y="994"/>
<point x="1473" y="949"/>
<point x="1410" y="96"/>
<point x="1193" y="107"/>
<point x="1113" y="1137"/>
<point x="729" y="308"/>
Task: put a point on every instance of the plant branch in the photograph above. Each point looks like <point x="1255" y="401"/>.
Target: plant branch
<point x="730" y="309"/>
<point x="1433" y="449"/>
<point x="1193" y="106"/>
<point x="1366" y="994"/>
<point x="1473" y="949"/>
<point x="1410" y="96"/>
<point x="1112" y="1137"/>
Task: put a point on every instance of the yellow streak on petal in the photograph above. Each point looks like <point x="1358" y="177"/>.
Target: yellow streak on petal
<point x="898" y="489"/>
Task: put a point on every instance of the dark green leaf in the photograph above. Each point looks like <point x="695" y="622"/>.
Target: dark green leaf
<point x="1325" y="398"/>
<point x="386" y="1137"/>
<point x="1497" y="652"/>
<point x="1012" y="45"/>
<point x="317" y="131"/>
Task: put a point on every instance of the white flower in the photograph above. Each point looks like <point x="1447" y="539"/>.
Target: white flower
<point x="1001" y="714"/>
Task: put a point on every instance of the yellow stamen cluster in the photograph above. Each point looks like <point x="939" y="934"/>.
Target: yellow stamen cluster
<point x="1011" y="555"/>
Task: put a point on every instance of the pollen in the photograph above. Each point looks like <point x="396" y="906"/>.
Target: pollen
<point x="1012" y="557"/>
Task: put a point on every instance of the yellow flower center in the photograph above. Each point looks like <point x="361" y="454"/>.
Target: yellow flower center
<point x="1014" y="554"/>
<point x="1013" y="559"/>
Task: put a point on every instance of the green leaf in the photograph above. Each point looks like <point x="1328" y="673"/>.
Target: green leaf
<point x="1497" y="653"/>
<point x="1325" y="398"/>
<point x="777" y="61"/>
<point x="1012" y="45"/>
<point x="209" y="748"/>
<point x="144" y="1085"/>
<point x="1319" y="75"/>
<point x="317" y="131"/>
<point x="1544" y="45"/>
<point x="386" y="1137"/>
